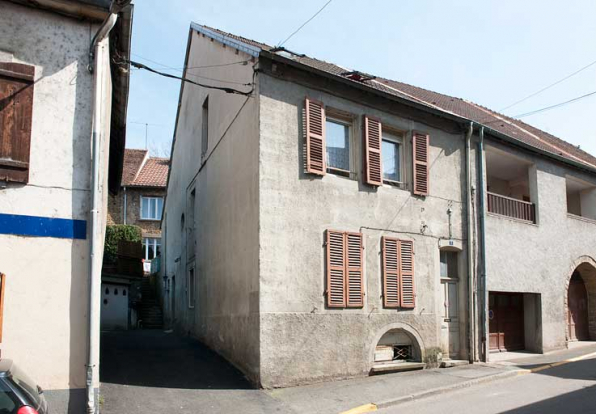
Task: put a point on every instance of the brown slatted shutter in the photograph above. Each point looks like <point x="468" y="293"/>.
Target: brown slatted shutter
<point x="420" y="159"/>
<point x="390" y="258"/>
<point x="406" y="279"/>
<point x="372" y="151"/>
<point x="336" y="266"/>
<point x="315" y="137"/>
<point x="354" y="279"/>
<point x="16" y="106"/>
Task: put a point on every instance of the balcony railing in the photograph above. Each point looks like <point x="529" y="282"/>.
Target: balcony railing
<point x="510" y="207"/>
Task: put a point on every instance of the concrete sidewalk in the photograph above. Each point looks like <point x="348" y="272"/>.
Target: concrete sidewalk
<point x="393" y="389"/>
<point x="156" y="372"/>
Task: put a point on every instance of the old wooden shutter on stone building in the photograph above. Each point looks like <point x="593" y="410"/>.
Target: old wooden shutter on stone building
<point x="354" y="279"/>
<point x="391" y="286"/>
<point x="372" y="151"/>
<point x="420" y="161"/>
<point x="16" y="106"/>
<point x="315" y="137"/>
<point x="345" y="286"/>
<point x="336" y="269"/>
<point x="398" y="273"/>
<point x="406" y="264"/>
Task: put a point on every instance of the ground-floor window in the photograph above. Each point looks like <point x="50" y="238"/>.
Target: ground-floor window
<point x="151" y="247"/>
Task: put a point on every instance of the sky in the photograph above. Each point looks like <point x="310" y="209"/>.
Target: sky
<point x="493" y="53"/>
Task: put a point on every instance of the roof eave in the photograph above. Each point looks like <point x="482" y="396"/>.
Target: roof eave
<point x="448" y="115"/>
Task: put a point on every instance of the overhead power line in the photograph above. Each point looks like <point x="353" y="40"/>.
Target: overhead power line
<point x="240" y="62"/>
<point x="555" y="106"/>
<point x="304" y="24"/>
<point x="169" y="75"/>
<point x="549" y="86"/>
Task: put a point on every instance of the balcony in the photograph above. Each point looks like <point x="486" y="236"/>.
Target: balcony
<point x="581" y="198"/>
<point x="511" y="207"/>
<point x="509" y="178"/>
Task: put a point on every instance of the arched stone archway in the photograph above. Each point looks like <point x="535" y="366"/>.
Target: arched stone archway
<point x="582" y="270"/>
<point x="398" y="330"/>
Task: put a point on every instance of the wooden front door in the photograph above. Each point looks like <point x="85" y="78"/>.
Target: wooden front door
<point x="577" y="315"/>
<point x="506" y="321"/>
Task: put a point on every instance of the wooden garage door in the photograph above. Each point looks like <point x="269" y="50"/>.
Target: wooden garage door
<point x="577" y="321"/>
<point x="506" y="321"/>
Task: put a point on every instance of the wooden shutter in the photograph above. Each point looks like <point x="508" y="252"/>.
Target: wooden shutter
<point x="420" y="159"/>
<point x="315" y="137"/>
<point x="391" y="286"/>
<point x="354" y="279"/>
<point x="336" y="266"/>
<point x="372" y="151"/>
<point x="406" y="270"/>
<point x="16" y="106"/>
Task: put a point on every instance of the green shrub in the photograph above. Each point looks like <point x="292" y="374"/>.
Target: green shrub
<point x="116" y="233"/>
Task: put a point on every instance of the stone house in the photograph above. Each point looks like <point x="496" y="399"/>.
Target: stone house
<point x="62" y="136"/>
<point x="324" y="223"/>
<point x="140" y="199"/>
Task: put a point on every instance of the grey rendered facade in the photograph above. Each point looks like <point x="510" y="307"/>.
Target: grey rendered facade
<point x="244" y="224"/>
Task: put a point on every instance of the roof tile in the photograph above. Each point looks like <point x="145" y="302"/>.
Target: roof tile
<point x="511" y="127"/>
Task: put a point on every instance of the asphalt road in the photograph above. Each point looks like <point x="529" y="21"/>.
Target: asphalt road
<point x="567" y="389"/>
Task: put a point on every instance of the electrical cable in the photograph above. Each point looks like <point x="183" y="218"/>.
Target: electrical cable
<point x="549" y="86"/>
<point x="241" y="62"/>
<point x="555" y="106"/>
<point x="304" y="24"/>
<point x="168" y="75"/>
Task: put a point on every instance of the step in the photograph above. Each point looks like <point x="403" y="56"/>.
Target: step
<point x="450" y="363"/>
<point x="396" y="366"/>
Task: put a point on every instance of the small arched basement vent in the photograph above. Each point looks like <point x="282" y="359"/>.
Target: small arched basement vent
<point x="397" y="350"/>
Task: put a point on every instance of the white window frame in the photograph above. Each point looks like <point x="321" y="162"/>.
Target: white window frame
<point x="350" y="125"/>
<point x="398" y="138"/>
<point x="151" y="199"/>
<point x="150" y="242"/>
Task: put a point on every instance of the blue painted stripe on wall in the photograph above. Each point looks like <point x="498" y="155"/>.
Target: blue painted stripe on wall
<point x="42" y="226"/>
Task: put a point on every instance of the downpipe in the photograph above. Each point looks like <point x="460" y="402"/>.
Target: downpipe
<point x="470" y="264"/>
<point x="482" y="217"/>
<point x="96" y="55"/>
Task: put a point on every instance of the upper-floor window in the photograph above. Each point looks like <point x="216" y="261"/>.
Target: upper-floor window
<point x="581" y="198"/>
<point x="151" y="208"/>
<point x="392" y="150"/>
<point x="338" y="134"/>
<point x="151" y="247"/>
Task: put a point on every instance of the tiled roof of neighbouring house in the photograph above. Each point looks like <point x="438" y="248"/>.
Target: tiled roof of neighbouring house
<point x="133" y="159"/>
<point x="503" y="124"/>
<point x="154" y="173"/>
<point x="140" y="170"/>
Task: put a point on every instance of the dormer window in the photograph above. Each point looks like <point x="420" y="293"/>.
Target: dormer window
<point x="357" y="76"/>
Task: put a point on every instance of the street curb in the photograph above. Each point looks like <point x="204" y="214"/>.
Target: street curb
<point x="448" y="388"/>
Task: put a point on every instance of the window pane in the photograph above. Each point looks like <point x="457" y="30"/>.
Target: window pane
<point x="452" y="300"/>
<point x="444" y="270"/>
<point x="391" y="160"/>
<point x="159" y="208"/>
<point x="338" y="145"/>
<point x="144" y="208"/>
<point x="152" y="213"/>
<point x="150" y="252"/>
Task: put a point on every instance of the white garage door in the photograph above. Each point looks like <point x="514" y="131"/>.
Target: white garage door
<point x="114" y="306"/>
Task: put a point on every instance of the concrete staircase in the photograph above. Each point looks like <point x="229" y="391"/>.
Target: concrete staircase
<point x="150" y="313"/>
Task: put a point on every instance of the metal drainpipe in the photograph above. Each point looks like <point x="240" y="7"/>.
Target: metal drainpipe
<point x="96" y="54"/>
<point x="482" y="215"/>
<point x="471" y="319"/>
<point x="125" y="206"/>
